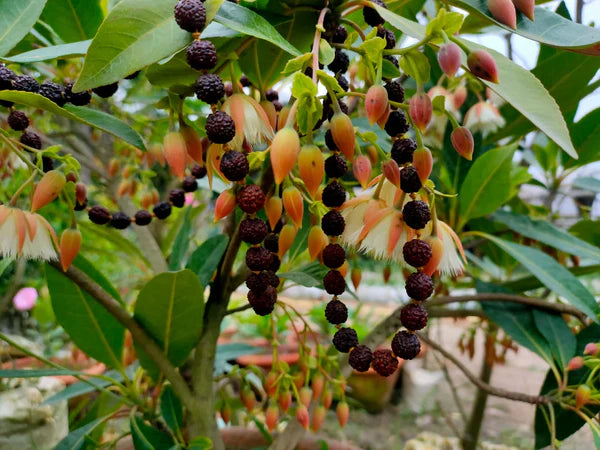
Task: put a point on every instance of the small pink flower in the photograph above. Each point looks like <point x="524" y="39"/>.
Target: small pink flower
<point x="24" y="300"/>
<point x="190" y="199"/>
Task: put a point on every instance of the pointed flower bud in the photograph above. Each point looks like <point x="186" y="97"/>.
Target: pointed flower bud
<point x="343" y="269"/>
<point x="423" y="162"/>
<point x="286" y="238"/>
<point x="361" y="167"/>
<point x="526" y="7"/>
<point x="591" y="348"/>
<point x="294" y="205"/>
<point x="312" y="167"/>
<point x="376" y="103"/>
<point x="318" y="418"/>
<point x="343" y="135"/>
<point x="459" y="96"/>
<point x="80" y="193"/>
<point x="175" y="152"/>
<point x="302" y="416"/>
<point x="343" y="412"/>
<point x="49" y="187"/>
<point x="384" y="117"/>
<point x="583" y="395"/>
<point x="356" y="276"/>
<point x="270" y="112"/>
<point x="482" y="65"/>
<point x="372" y="154"/>
<point x="226" y="413"/>
<point x="317" y="384"/>
<point x="462" y="141"/>
<point x="193" y="144"/>
<point x="273" y="209"/>
<point x="271" y="417"/>
<point x="70" y="243"/>
<point x="504" y="12"/>
<point x="449" y="58"/>
<point x="224" y="205"/>
<point x="248" y="398"/>
<point x="271" y="383"/>
<point x="285" y="401"/>
<point x="305" y="396"/>
<point x="327" y="398"/>
<point x="284" y="153"/>
<point x="421" y="110"/>
<point x="437" y="251"/>
<point x="575" y="363"/>
<point x="392" y="172"/>
<point x="113" y="167"/>
<point x="317" y="241"/>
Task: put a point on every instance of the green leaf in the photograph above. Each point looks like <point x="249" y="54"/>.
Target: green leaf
<point x="170" y="307"/>
<point x="586" y="138"/>
<point x="558" y="334"/>
<point x="548" y="28"/>
<point x="449" y="22"/>
<point x="329" y="82"/>
<point x="62" y="51"/>
<point x="75" y="439"/>
<point x="27" y="373"/>
<point x="93" y="118"/>
<point x="200" y="443"/>
<point x="248" y="22"/>
<point x="90" y="326"/>
<point x="545" y="232"/>
<point x="175" y="72"/>
<point x="530" y="282"/>
<point x="135" y="34"/>
<point x="487" y="185"/>
<point x="517" y="86"/>
<point x="84" y="265"/>
<point x="416" y="65"/>
<point x="171" y="410"/>
<point x="182" y="242"/>
<point x="73" y="20"/>
<point x="303" y="85"/>
<point x="296" y="64"/>
<point x="205" y="259"/>
<point x="326" y="53"/>
<point x="146" y="437"/>
<point x="554" y="276"/>
<point x="588" y="230"/>
<point x="373" y="48"/>
<point x="301" y="278"/>
<point x="17" y="18"/>
<point x="587" y="183"/>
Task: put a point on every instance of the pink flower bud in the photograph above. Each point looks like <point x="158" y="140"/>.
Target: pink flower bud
<point x="271" y="417"/>
<point x="343" y="135"/>
<point x="361" y="167"/>
<point x="459" y="96"/>
<point x="317" y="384"/>
<point x="318" y="418"/>
<point x="504" y="12"/>
<point x="462" y="141"/>
<point x="25" y="299"/>
<point x="80" y="193"/>
<point x="343" y="412"/>
<point x="224" y="205"/>
<point x="305" y="395"/>
<point x="285" y="401"/>
<point x="423" y="162"/>
<point x="47" y="189"/>
<point x="575" y="363"/>
<point x="175" y="152"/>
<point x="284" y="153"/>
<point x="193" y="144"/>
<point x="302" y="416"/>
<point x="526" y="7"/>
<point x="376" y="103"/>
<point x="70" y="243"/>
<point x="591" y="348"/>
<point x="482" y="65"/>
<point x="582" y="395"/>
<point x="421" y="110"/>
<point x="449" y="58"/>
<point x="392" y="172"/>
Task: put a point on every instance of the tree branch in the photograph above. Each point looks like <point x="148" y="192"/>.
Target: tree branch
<point x="491" y="390"/>
<point x="238" y="309"/>
<point x="139" y="334"/>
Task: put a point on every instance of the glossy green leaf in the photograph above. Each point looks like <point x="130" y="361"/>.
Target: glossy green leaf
<point x="170" y="307"/>
<point x="554" y="276"/>
<point x="544" y="231"/>
<point x="73" y="20"/>
<point x="76" y="438"/>
<point x="301" y="278"/>
<point x="487" y="185"/>
<point x="548" y="27"/>
<point x="558" y="335"/>
<point x="182" y="242"/>
<point x="91" y="327"/>
<point x="146" y="437"/>
<point x="530" y="282"/>
<point x="16" y="19"/>
<point x="36" y="373"/>
<point x="62" y="51"/>
<point x="171" y="410"/>
<point x="587" y="230"/>
<point x="416" y="65"/>
<point x="517" y="86"/>
<point x="200" y="443"/>
<point x="587" y="183"/>
<point x="248" y="22"/>
<point x="206" y="258"/>
<point x="84" y="265"/>
<point x="586" y="138"/>
<point x="91" y="117"/>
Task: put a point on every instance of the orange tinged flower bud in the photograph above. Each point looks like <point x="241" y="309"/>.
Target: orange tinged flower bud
<point x="286" y="238"/>
<point x="80" y="193"/>
<point x="459" y="96"/>
<point x="71" y="177"/>
<point x="146" y="201"/>
<point x="284" y="153"/>
<point x="113" y="167"/>
<point x="248" y="398"/>
<point x="327" y="398"/>
<point x="70" y="243"/>
<point x="271" y="417"/>
<point x="449" y="58"/>
<point x="133" y="187"/>
<point x="583" y="395"/>
<point x="575" y="363"/>
<point x="318" y="418"/>
<point x="155" y="196"/>
<point x="298" y="380"/>
<point x="175" y="152"/>
<point x="376" y="103"/>
<point x="462" y="141"/>
<point x="270" y="111"/>
<point x="312" y="167"/>
<point x="372" y="154"/>
<point x="224" y="205"/>
<point x="421" y="110"/>
<point x="317" y="384"/>
<point x="342" y="411"/>
<point x="504" y="12"/>
<point x="392" y="172"/>
<point x="273" y="209"/>
<point x="361" y="167"/>
<point x="193" y="144"/>
<point x="343" y="135"/>
<point x="387" y="273"/>
<point x="317" y="241"/>
<point x="271" y="384"/>
<point x="482" y="65"/>
<point x="226" y="413"/>
<point x="124" y="187"/>
<point x="302" y="416"/>
<point x="127" y="171"/>
<point x="423" y="162"/>
<point x="285" y="401"/>
<point x="294" y="205"/>
<point x="47" y="189"/>
<point x="526" y="7"/>
<point x="305" y="395"/>
<point x="384" y="117"/>
<point x="283" y="116"/>
<point x="356" y="276"/>
<point x="437" y="248"/>
<point x="343" y="269"/>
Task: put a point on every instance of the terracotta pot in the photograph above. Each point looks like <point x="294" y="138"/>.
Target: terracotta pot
<point x="373" y="390"/>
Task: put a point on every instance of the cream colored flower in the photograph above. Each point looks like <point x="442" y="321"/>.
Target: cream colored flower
<point x="484" y="117"/>
<point x="27" y="235"/>
<point x="251" y="121"/>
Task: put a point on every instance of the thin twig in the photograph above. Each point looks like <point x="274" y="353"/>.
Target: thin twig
<point x="238" y="309"/>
